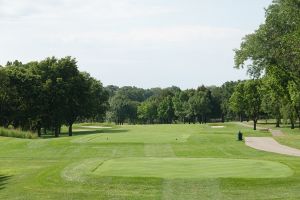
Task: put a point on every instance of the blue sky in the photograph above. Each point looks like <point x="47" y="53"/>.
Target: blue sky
<point x="146" y="43"/>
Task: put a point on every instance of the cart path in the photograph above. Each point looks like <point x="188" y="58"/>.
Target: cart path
<point x="276" y="133"/>
<point x="270" y="145"/>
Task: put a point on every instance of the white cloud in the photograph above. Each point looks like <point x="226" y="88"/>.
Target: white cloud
<point x="92" y="21"/>
<point x="24" y="8"/>
<point x="184" y="33"/>
<point x="153" y="35"/>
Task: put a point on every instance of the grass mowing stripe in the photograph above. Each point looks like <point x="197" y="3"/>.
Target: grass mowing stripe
<point x="193" y="168"/>
<point x="159" y="150"/>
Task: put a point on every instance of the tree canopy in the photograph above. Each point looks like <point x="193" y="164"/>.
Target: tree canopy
<point x="48" y="94"/>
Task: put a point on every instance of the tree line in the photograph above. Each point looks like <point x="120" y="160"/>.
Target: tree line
<point x="168" y="105"/>
<point x="50" y="93"/>
<point x="233" y="101"/>
<point x="45" y="95"/>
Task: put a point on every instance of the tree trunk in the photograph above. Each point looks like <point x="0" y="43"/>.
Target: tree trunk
<point x="241" y="118"/>
<point x="277" y="123"/>
<point x="293" y="125"/>
<point x="57" y="130"/>
<point x="56" y="134"/>
<point x="70" y="130"/>
<point x="39" y="131"/>
<point x="255" y="122"/>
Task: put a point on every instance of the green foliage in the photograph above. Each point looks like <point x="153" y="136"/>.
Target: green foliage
<point x="48" y="94"/>
<point x="122" y="108"/>
<point x="165" y="110"/>
<point x="272" y="93"/>
<point x="247" y="99"/>
<point x="272" y="51"/>
<point x="181" y="107"/>
<point x="169" y="105"/>
<point x="147" y="111"/>
<point x="200" y="104"/>
<point x="227" y="91"/>
<point x="237" y="102"/>
<point x="252" y="98"/>
<point x="294" y="92"/>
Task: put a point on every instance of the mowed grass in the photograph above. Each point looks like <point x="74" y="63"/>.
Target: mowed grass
<point x="146" y="162"/>
<point x="172" y="168"/>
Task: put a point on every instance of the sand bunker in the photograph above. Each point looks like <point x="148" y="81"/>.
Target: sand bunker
<point x="270" y="145"/>
<point x="217" y="126"/>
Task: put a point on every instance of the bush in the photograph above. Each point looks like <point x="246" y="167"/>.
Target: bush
<point x="17" y="133"/>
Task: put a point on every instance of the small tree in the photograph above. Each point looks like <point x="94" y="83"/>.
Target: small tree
<point x="253" y="100"/>
<point x="237" y="102"/>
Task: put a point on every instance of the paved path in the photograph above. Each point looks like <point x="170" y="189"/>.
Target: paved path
<point x="270" y="145"/>
<point x="276" y="133"/>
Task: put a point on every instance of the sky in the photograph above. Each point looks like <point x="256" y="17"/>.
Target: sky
<point x="143" y="43"/>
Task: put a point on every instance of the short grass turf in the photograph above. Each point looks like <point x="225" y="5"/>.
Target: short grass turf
<point x="172" y="168"/>
<point x="147" y="162"/>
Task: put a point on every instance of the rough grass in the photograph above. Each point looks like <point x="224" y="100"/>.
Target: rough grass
<point x="67" y="167"/>
<point x="17" y="133"/>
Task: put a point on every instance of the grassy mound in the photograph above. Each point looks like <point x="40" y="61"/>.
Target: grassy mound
<point x="193" y="168"/>
<point x="173" y="168"/>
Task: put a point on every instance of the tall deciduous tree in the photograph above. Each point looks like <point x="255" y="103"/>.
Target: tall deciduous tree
<point x="274" y="46"/>
<point x="165" y="110"/>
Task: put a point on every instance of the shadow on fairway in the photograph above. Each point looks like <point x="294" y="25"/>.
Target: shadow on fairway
<point x="88" y="132"/>
<point x="3" y="181"/>
<point x="110" y="131"/>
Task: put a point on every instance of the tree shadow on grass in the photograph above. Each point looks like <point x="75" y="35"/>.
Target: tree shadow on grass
<point x="3" y="181"/>
<point x="87" y="132"/>
<point x="110" y="131"/>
